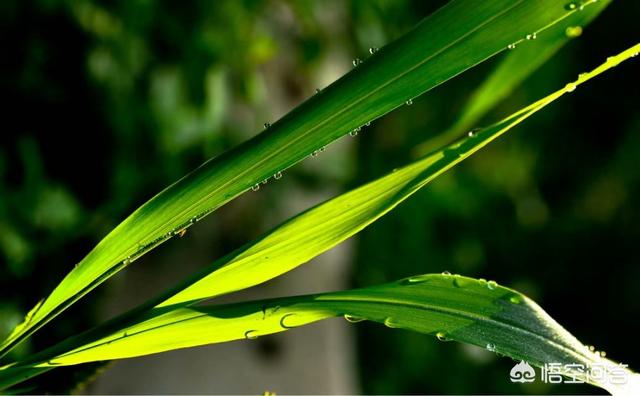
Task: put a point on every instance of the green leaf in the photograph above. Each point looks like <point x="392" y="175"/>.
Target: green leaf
<point x="326" y="225"/>
<point x="450" y="307"/>
<point x="458" y="36"/>
<point x="512" y="70"/>
<point x="302" y="237"/>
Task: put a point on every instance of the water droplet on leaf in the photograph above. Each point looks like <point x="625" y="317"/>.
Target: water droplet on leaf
<point x="283" y="321"/>
<point x="473" y="132"/>
<point x="353" y="319"/>
<point x="571" y="6"/>
<point x="573" y="31"/>
<point x="415" y="279"/>
<point x="390" y="323"/>
<point x="442" y="336"/>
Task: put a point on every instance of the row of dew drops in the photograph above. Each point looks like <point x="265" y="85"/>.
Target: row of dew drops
<point x="458" y="281"/>
<point x="391" y="323"/>
<point x="182" y="229"/>
<point x="570" y="87"/>
<point x="353" y="133"/>
<point x="571" y="31"/>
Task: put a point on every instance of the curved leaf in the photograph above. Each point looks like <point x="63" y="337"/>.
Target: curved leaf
<point x="302" y="237"/>
<point x="458" y="36"/>
<point x="450" y="307"/>
<point x="512" y="70"/>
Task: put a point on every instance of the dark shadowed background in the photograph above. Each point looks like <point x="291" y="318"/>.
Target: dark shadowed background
<point x="106" y="103"/>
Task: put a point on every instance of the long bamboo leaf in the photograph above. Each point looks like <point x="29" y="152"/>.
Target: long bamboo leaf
<point x="324" y="226"/>
<point x="450" y="307"/>
<point x="458" y="36"/>
<point x="306" y="235"/>
<point x="512" y="70"/>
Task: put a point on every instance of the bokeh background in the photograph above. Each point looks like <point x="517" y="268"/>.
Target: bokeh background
<point x="106" y="103"/>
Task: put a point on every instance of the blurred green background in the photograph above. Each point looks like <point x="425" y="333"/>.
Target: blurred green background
<point x="106" y="103"/>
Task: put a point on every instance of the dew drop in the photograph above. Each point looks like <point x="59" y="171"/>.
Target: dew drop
<point x="391" y="324"/>
<point x="570" y="87"/>
<point x="127" y="261"/>
<point x="473" y="132"/>
<point x="322" y="149"/>
<point x="314" y="153"/>
<point x="317" y="91"/>
<point x="442" y="336"/>
<point x="353" y="319"/>
<point x="193" y="220"/>
<point x="459" y="281"/>
<point x="571" y="6"/>
<point x="591" y="348"/>
<point x="284" y="319"/>
<point x="491" y="347"/>
<point x="573" y="31"/>
<point x="482" y="281"/>
<point x="511" y="46"/>
<point x="368" y="124"/>
<point x="409" y="102"/>
<point x="415" y="279"/>
<point x="255" y="187"/>
<point x="373" y="50"/>
<point x="515" y="299"/>
<point x="446" y="273"/>
<point x="277" y="175"/>
<point x="602" y="354"/>
<point x="582" y="76"/>
<point x="492" y="285"/>
<point x="356" y="62"/>
<point x="251" y="334"/>
<point x="265" y="181"/>
<point x="266" y="125"/>
<point x="531" y="36"/>
<point x="353" y="133"/>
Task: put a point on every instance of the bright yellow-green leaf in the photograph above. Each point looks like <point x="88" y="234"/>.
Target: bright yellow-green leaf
<point x="512" y="70"/>
<point x="308" y="235"/>
<point x="449" y="307"/>
<point x="458" y="36"/>
<point x="290" y="245"/>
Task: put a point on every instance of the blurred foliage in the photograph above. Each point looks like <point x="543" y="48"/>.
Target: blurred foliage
<point x="137" y="93"/>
